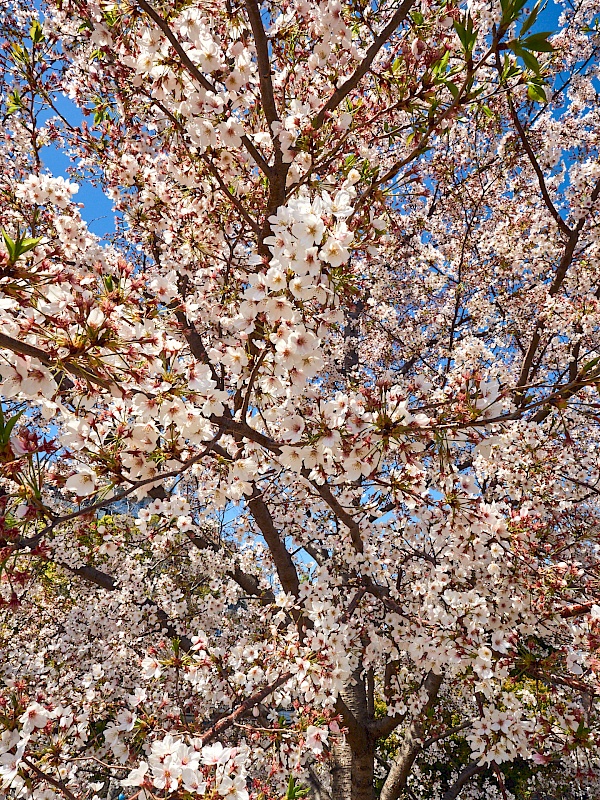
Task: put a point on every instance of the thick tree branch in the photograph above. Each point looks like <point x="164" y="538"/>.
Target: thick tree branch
<point x="264" y="63"/>
<point x="344" y="516"/>
<point x="176" y="45"/>
<point x="284" y="564"/>
<point x="108" y="583"/>
<point x="577" y="610"/>
<point x="249" y="583"/>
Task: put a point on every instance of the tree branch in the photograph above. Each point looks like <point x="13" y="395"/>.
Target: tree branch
<point x="412" y="744"/>
<point x="25" y="349"/>
<point x="448" y="732"/>
<point x="249" y="703"/>
<point x="249" y="583"/>
<point x="107" y="582"/>
<point x="468" y="772"/>
<point x="176" y="45"/>
<point x="560" y="276"/>
<point x="562" y="225"/>
<point x="195" y="73"/>
<point x="52" y="781"/>
<point x="284" y="564"/>
<point x="344" y="516"/>
<point x="34" y="540"/>
<point x="264" y="63"/>
<point x="344" y="90"/>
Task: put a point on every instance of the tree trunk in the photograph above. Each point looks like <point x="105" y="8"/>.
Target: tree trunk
<point x="351" y="334"/>
<point x="363" y="773"/>
<point x="353" y="771"/>
<point x="341" y="771"/>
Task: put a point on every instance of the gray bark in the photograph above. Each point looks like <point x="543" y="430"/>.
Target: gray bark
<point x="341" y="770"/>
<point x="353" y="769"/>
<point x="352" y="772"/>
<point x="317" y="789"/>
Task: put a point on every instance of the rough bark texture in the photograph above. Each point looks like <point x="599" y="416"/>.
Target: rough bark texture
<point x="363" y="773"/>
<point x="352" y="773"/>
<point x="341" y="771"/>
<point x="354" y="757"/>
<point x="318" y="791"/>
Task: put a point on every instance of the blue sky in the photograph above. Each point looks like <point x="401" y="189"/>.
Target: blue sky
<point x="97" y="209"/>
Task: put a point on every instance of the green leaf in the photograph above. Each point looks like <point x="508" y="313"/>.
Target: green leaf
<point x="590" y="364"/>
<point x="8" y="427"/>
<point x="518" y="7"/>
<point x="511" y="10"/>
<point x="110" y="18"/>
<point x="440" y="67"/>
<point x="10" y="247"/>
<point x="509" y="70"/>
<point x="27" y="244"/>
<point x="462" y="34"/>
<point x="538" y="42"/>
<point x="14" y="102"/>
<point x="36" y="32"/>
<point x="531" y="62"/>
<point x="466" y="34"/>
<point x="109" y="283"/>
<point x="20" y="54"/>
<point x="453" y="88"/>
<point x="529" y="59"/>
<point x="20" y="246"/>
<point x="295" y="790"/>
<point x="535" y="92"/>
<point x="488" y="111"/>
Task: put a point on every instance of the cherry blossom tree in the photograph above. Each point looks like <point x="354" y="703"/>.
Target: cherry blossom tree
<point x="299" y="463"/>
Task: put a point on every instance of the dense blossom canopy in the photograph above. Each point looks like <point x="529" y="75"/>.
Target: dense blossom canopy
<point x="299" y="464"/>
